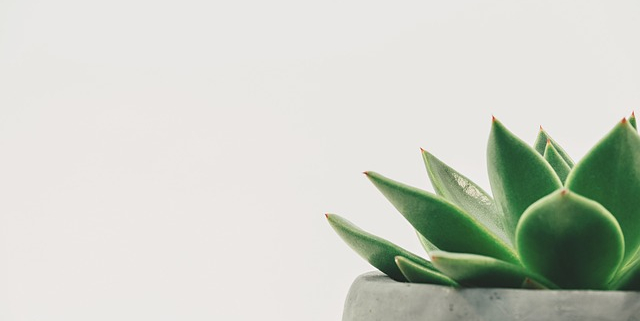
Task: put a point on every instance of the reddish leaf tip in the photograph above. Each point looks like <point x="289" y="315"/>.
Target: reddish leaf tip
<point x="624" y="120"/>
<point x="366" y="173"/>
<point x="326" y="215"/>
<point x="493" y="118"/>
<point x="528" y="282"/>
<point x="541" y="128"/>
<point x="548" y="141"/>
<point x="633" y="114"/>
<point x="564" y="192"/>
<point x="422" y="149"/>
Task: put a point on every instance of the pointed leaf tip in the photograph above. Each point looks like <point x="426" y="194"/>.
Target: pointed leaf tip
<point x="624" y="120"/>
<point x="541" y="144"/>
<point x="366" y="173"/>
<point x="428" y="213"/>
<point x="493" y="118"/>
<point x="548" y="141"/>
<point x="518" y="174"/>
<point x="607" y="174"/>
<point x="376" y="250"/>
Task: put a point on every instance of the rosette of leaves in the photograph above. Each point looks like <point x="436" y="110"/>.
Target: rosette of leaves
<point x="549" y="223"/>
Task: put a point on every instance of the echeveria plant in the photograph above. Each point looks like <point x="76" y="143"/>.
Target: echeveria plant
<point x="549" y="224"/>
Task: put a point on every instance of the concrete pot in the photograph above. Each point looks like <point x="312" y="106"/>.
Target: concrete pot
<point x="375" y="297"/>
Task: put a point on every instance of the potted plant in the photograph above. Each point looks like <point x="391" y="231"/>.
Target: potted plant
<point x="554" y="242"/>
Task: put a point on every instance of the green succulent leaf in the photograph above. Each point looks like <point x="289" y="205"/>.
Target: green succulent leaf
<point x="426" y="244"/>
<point x="519" y="176"/>
<point x="541" y="144"/>
<point x="628" y="278"/>
<point x="632" y="121"/>
<point x="482" y="271"/>
<point x="445" y="225"/>
<point x="461" y="191"/>
<point x="377" y="251"/>
<point x="632" y="260"/>
<point x="557" y="162"/>
<point x="417" y="273"/>
<point x="573" y="241"/>
<point x="610" y="175"/>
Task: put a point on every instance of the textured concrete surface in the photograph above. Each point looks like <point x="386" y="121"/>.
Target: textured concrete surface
<point x="375" y="297"/>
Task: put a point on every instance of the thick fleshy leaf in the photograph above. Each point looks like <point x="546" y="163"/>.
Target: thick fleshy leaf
<point x="541" y="143"/>
<point x="632" y="120"/>
<point x="610" y="175"/>
<point x="483" y="271"/>
<point x="571" y="240"/>
<point x="628" y="278"/>
<point x="557" y="162"/>
<point x="632" y="260"/>
<point x="417" y="273"/>
<point x="426" y="244"/>
<point x="519" y="176"/>
<point x="445" y="225"/>
<point x="377" y="251"/>
<point x="461" y="191"/>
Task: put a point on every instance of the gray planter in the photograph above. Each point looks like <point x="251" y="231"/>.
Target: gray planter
<point x="375" y="297"/>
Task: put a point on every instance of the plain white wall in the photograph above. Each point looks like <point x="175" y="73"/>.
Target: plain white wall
<point x="172" y="160"/>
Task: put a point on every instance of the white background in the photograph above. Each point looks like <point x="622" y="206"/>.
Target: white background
<point x="172" y="160"/>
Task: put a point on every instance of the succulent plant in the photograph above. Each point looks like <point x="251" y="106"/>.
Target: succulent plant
<point x="549" y="223"/>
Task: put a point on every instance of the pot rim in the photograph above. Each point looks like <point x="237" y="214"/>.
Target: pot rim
<point x="384" y="279"/>
<point x="375" y="296"/>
